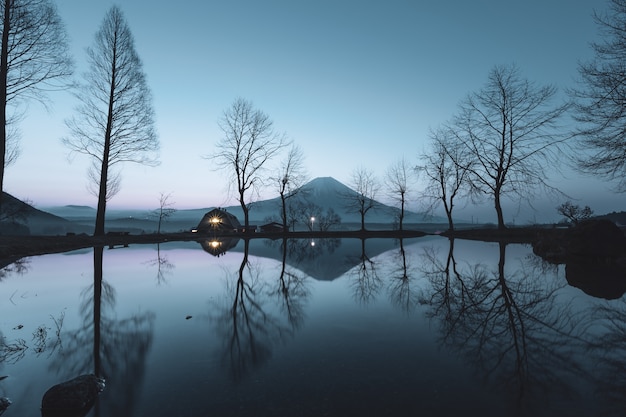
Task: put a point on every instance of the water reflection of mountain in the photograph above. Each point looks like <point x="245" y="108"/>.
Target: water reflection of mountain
<point x="322" y="259"/>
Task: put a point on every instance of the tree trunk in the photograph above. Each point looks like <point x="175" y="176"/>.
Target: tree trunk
<point x="246" y="215"/>
<point x="102" y="192"/>
<point x="501" y="224"/>
<point x="104" y="170"/>
<point x="284" y="211"/>
<point x="448" y="209"/>
<point x="4" y="59"/>
<point x="97" y="308"/>
<point x="401" y="213"/>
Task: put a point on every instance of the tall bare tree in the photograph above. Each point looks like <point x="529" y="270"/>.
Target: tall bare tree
<point x="363" y="199"/>
<point x="445" y="171"/>
<point x="397" y="178"/>
<point x="249" y="142"/>
<point x="509" y="130"/>
<point x="115" y="119"/>
<point x="600" y="100"/>
<point x="289" y="177"/>
<point x="34" y="58"/>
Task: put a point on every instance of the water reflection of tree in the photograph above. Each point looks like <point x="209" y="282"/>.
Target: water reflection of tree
<point x="118" y="347"/>
<point x="291" y="290"/>
<point x="400" y="288"/>
<point x="13" y="267"/>
<point x="245" y="322"/>
<point x="162" y="264"/>
<point x="610" y="350"/>
<point x="366" y="283"/>
<point x="508" y="325"/>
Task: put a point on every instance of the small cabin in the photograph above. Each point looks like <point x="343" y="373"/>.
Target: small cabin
<point x="273" y="227"/>
<point x="218" y="220"/>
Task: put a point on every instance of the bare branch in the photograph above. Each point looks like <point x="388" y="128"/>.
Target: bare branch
<point x="249" y="142"/>
<point x="114" y="123"/>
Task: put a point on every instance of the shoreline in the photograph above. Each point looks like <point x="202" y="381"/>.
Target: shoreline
<point x="15" y="247"/>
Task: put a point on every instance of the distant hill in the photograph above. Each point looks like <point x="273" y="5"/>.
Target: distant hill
<point x="325" y="192"/>
<point x="19" y="217"/>
<point x="73" y="212"/>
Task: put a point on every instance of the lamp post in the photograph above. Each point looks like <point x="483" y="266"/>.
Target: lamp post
<point x="312" y="221"/>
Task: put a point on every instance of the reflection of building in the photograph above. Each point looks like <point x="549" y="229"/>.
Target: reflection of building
<point x="219" y="246"/>
<point x="218" y="220"/>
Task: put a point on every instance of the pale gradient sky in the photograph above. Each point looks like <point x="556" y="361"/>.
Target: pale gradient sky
<point x="354" y="83"/>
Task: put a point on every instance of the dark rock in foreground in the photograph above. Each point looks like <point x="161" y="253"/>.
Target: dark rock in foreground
<point x="72" y="398"/>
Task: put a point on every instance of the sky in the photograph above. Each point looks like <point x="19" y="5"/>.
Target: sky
<point x="353" y="83"/>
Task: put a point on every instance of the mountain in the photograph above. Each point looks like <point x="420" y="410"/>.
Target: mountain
<point x="327" y="192"/>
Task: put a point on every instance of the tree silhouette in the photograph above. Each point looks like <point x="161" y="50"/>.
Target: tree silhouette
<point x="34" y="57"/>
<point x="115" y="121"/>
<point x="397" y="178"/>
<point x="573" y="212"/>
<point x="362" y="198"/>
<point x="600" y="100"/>
<point x="446" y="171"/>
<point x="508" y="132"/>
<point x="290" y="177"/>
<point x="165" y="210"/>
<point x="249" y="142"/>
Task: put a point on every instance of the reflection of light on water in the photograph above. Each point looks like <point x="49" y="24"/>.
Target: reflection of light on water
<point x="312" y="243"/>
<point x="215" y="243"/>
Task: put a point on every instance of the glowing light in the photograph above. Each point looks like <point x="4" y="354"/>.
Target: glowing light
<point x="215" y="220"/>
<point x="215" y="243"/>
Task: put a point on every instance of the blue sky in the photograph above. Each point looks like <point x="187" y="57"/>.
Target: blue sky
<point x="353" y="83"/>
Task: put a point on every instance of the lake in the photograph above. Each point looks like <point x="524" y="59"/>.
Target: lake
<point x="334" y="327"/>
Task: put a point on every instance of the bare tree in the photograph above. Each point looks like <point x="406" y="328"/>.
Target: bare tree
<point x="115" y="121"/>
<point x="165" y="210"/>
<point x="249" y="142"/>
<point x="289" y="178"/>
<point x="509" y="130"/>
<point x="445" y="170"/>
<point x="574" y="213"/>
<point x="397" y="180"/>
<point x="363" y="199"/>
<point x="34" y="57"/>
<point x="600" y="101"/>
<point x="327" y="219"/>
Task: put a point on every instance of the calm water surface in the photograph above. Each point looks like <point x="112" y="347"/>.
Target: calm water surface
<point x="312" y="328"/>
